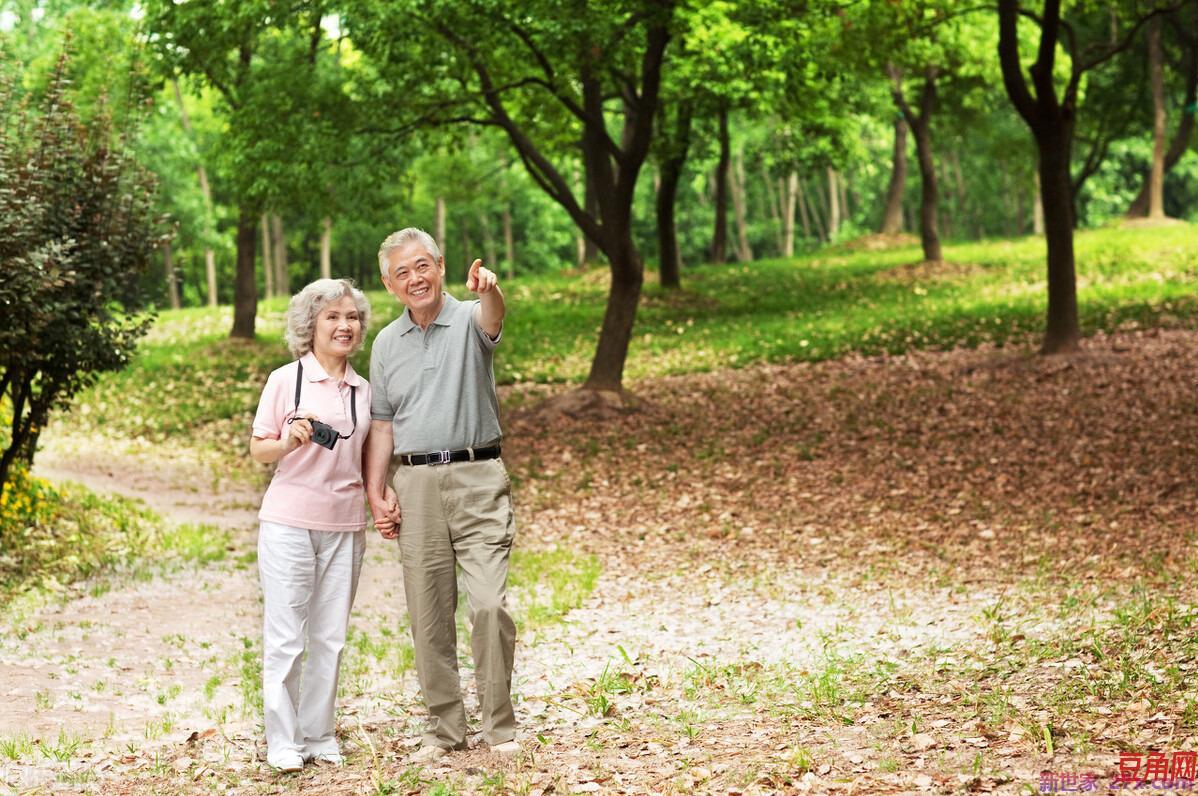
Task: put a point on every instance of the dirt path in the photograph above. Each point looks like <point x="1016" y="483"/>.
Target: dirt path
<point x="859" y="577"/>
<point x="116" y="683"/>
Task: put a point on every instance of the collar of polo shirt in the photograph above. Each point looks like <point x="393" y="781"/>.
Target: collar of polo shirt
<point x="314" y="372"/>
<point x="442" y="319"/>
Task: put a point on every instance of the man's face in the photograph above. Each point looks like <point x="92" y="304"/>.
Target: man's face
<point x="414" y="277"/>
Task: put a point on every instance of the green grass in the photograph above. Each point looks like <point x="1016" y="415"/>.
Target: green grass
<point x="51" y="536"/>
<point x="546" y="584"/>
<point x="189" y="380"/>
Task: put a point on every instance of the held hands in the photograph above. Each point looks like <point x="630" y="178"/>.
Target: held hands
<point x="386" y="514"/>
<point x="480" y="280"/>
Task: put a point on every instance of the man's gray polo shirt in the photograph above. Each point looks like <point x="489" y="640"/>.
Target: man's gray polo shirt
<point x="437" y="386"/>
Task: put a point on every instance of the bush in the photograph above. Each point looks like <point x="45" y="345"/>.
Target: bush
<point x="77" y="230"/>
<point x="52" y="536"/>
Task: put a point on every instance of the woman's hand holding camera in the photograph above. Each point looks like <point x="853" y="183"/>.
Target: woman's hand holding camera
<point x="269" y="451"/>
<point x="300" y="433"/>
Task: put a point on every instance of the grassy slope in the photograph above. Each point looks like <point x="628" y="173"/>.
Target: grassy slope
<point x="836" y="302"/>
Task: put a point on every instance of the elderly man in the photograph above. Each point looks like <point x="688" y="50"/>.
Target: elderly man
<point x="434" y="405"/>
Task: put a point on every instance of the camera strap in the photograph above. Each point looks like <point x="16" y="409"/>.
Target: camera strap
<point x="353" y="400"/>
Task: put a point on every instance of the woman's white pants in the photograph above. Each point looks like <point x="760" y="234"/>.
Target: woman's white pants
<point x="309" y="579"/>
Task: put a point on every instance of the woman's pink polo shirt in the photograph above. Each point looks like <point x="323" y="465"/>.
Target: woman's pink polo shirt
<point x="313" y="487"/>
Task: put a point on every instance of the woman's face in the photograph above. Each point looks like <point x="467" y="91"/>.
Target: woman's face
<point x="338" y="328"/>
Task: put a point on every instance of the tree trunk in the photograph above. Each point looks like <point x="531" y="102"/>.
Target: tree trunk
<point x="580" y="239"/>
<point x="945" y="222"/>
<point x="788" y="214"/>
<point x="268" y="268"/>
<point x="1063" y="331"/>
<point x="1037" y="207"/>
<point x="921" y="123"/>
<point x="892" y="216"/>
<point x="326" y="248"/>
<point x="282" y="268"/>
<point x="210" y="273"/>
<point x="719" y="236"/>
<point x="846" y="212"/>
<point x="833" y="204"/>
<point x="744" y="252"/>
<point x="1156" y="77"/>
<point x="439" y="225"/>
<point x="509" y="245"/>
<point x="954" y="160"/>
<point x="774" y="202"/>
<point x="814" y="207"/>
<point x="669" y="257"/>
<point x="245" y="292"/>
<point x="667" y="234"/>
<point x="1180" y="142"/>
<point x="929" y="235"/>
<point x="590" y="252"/>
<point x="168" y="267"/>
<point x="206" y="192"/>
<point x="628" y="275"/>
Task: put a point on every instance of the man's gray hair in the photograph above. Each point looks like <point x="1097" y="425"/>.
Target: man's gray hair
<point x="306" y="305"/>
<point x="397" y="240"/>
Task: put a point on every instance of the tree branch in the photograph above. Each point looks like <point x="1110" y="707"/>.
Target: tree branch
<point x="657" y="37"/>
<point x="1012" y="70"/>
<point x="1127" y="40"/>
<point x="550" y="81"/>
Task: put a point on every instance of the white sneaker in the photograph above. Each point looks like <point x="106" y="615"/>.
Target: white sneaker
<point x="507" y="748"/>
<point x="328" y="758"/>
<point x="286" y="762"/>
<point x="427" y="754"/>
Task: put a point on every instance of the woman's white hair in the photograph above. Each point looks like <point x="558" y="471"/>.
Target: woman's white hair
<point x="306" y="305"/>
<point x="397" y="240"/>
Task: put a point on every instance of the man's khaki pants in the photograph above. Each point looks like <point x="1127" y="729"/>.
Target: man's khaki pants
<point x="459" y="513"/>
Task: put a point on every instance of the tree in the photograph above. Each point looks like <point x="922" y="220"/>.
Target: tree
<point x="547" y="74"/>
<point x="1182" y="26"/>
<point x="283" y="113"/>
<point x="920" y="122"/>
<point x="77" y="230"/>
<point x="1052" y="119"/>
<point x="892" y="214"/>
<point x="928" y="51"/>
<point x="724" y="62"/>
<point x="673" y="145"/>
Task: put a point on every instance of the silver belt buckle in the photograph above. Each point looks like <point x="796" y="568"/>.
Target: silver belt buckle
<point x="437" y="457"/>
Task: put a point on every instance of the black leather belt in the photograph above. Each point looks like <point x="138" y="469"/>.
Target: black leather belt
<point x="445" y="457"/>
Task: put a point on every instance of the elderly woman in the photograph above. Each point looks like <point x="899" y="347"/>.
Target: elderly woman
<point x="312" y="419"/>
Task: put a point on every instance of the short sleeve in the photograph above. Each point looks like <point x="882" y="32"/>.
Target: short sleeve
<point x="380" y="407"/>
<point x="485" y="339"/>
<point x="272" y="408"/>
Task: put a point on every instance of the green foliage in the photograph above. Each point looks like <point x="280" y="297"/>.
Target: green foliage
<point x="52" y="536"/>
<point x="76" y="231"/>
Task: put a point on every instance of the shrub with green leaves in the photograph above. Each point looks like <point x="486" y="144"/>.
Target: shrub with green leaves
<point x="77" y="230"/>
<point x="51" y="536"/>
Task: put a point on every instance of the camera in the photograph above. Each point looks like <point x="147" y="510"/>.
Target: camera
<point x="323" y="434"/>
